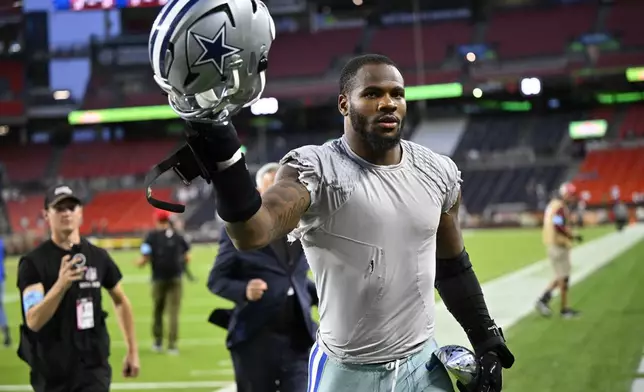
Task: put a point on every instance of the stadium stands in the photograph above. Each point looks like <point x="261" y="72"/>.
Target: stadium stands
<point x="398" y="42"/>
<point x="117" y="158"/>
<point x="489" y="134"/>
<point x="522" y="34"/>
<point x="633" y="123"/>
<point x="548" y="132"/>
<point x="205" y="212"/>
<point x="278" y="145"/>
<point x="110" y="212"/>
<point x="483" y="188"/>
<point x="328" y="45"/>
<point x="19" y="168"/>
<point x="625" y="20"/>
<point x="620" y="59"/>
<point x="602" y="113"/>
<point x="12" y="84"/>
<point x="532" y="32"/>
<point x="603" y="169"/>
<point x="27" y="209"/>
<point x="513" y="33"/>
<point x="124" y="211"/>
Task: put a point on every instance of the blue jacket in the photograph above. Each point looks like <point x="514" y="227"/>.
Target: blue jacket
<point x="233" y="270"/>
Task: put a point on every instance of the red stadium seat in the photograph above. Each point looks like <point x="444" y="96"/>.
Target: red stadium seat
<point x="29" y="207"/>
<point x="625" y="20"/>
<point x="524" y="33"/>
<point x="125" y="211"/>
<point x="20" y="169"/>
<point x="633" y="123"/>
<point x="398" y="42"/>
<point x="13" y="75"/>
<point x="113" y="159"/>
<point x="603" y="169"/>
<point x="321" y="49"/>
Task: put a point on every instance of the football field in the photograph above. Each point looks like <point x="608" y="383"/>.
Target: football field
<point x="600" y="351"/>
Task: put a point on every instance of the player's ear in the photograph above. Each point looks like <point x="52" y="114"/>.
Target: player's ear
<point x="343" y="105"/>
<point x="45" y="216"/>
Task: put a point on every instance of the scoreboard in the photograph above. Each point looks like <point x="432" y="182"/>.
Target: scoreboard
<point x="86" y="5"/>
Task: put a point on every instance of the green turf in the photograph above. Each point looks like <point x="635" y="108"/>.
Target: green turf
<point x="496" y="252"/>
<point x="600" y="351"/>
<point x="203" y="354"/>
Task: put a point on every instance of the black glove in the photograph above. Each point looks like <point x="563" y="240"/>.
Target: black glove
<point x="212" y="143"/>
<point x="492" y="360"/>
<point x="207" y="145"/>
<point x="489" y="377"/>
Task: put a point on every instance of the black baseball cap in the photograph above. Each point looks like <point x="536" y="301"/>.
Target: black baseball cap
<point x="58" y="193"/>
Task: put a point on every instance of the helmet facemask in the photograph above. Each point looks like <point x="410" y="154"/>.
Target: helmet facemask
<point x="217" y="104"/>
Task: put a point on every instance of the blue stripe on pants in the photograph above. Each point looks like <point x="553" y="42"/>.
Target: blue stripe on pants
<point x="317" y="360"/>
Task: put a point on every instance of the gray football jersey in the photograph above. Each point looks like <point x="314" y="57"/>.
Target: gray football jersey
<point x="370" y="239"/>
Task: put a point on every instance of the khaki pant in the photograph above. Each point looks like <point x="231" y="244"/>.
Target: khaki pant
<point x="166" y="292"/>
<point x="560" y="258"/>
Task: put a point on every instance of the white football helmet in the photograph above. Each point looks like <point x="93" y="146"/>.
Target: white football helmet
<point x="210" y="56"/>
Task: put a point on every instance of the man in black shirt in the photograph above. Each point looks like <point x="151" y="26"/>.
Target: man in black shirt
<point x="167" y="252"/>
<point x="64" y="338"/>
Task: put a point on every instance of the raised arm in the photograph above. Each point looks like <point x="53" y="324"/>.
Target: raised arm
<point x="252" y="220"/>
<point x="283" y="204"/>
<point x="39" y="307"/>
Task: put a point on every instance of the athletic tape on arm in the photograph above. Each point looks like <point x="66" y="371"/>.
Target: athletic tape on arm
<point x="32" y="299"/>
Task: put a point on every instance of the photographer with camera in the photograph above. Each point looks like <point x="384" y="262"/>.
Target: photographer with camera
<point x="64" y="337"/>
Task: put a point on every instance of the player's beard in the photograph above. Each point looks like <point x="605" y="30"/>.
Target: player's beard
<point x="376" y="141"/>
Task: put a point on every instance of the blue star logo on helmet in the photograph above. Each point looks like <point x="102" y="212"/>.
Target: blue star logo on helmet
<point x="214" y="50"/>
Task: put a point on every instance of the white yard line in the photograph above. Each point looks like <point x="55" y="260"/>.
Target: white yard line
<point x="186" y="318"/>
<point x="212" y="372"/>
<point x="638" y="382"/>
<point x="512" y="297"/>
<point x="638" y="385"/>
<point x="640" y="369"/>
<point x="133" y="386"/>
<point x="229" y="388"/>
<point x="196" y="342"/>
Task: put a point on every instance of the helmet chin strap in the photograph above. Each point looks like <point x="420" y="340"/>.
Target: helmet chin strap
<point x="262" y="81"/>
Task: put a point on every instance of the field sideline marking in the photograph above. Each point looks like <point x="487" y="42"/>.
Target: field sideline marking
<point x="133" y="386"/>
<point x="212" y="372"/>
<point x="512" y="296"/>
<point x="196" y="342"/>
<point x="638" y="383"/>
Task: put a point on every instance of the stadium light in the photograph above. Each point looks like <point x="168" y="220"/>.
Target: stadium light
<point x="60" y="95"/>
<point x="530" y="86"/>
<point x="264" y="106"/>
